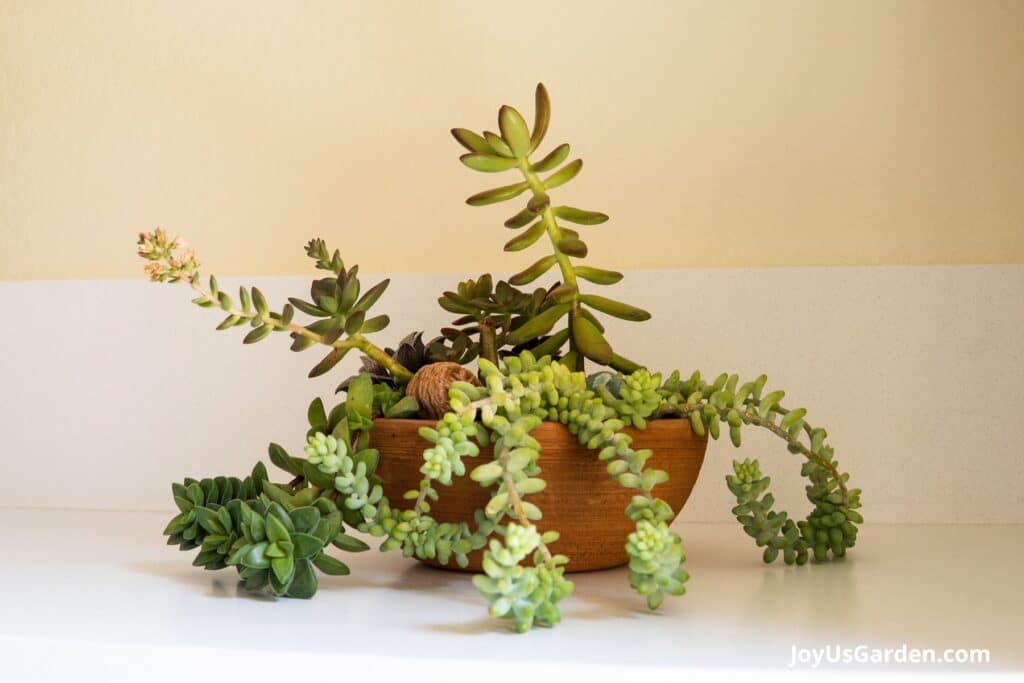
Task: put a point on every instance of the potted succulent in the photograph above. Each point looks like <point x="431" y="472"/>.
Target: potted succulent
<point x="517" y="443"/>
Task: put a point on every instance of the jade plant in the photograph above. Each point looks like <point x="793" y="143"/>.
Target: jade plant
<point x="511" y="360"/>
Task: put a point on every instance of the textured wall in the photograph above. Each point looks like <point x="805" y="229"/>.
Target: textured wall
<point x="715" y="134"/>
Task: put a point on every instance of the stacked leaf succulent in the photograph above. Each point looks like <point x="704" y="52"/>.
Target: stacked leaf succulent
<point x="530" y="350"/>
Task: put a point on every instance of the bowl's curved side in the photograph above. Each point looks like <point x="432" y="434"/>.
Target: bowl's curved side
<point x="582" y="501"/>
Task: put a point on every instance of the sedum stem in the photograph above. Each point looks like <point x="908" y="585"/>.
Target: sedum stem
<point x="356" y="341"/>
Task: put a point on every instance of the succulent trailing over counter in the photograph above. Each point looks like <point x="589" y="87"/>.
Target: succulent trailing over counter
<point x="530" y="349"/>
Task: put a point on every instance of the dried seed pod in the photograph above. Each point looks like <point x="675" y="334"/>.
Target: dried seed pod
<point x="429" y="386"/>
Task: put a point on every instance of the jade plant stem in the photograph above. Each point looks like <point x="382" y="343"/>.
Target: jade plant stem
<point x="356" y="341"/>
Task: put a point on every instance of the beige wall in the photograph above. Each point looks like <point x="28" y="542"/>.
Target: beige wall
<point x="716" y="134"/>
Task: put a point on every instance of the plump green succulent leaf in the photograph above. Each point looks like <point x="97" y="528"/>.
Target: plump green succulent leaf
<point x="552" y="344"/>
<point x="527" y="238"/>
<point x="589" y="340"/>
<point x="598" y="276"/>
<point x="563" y="175"/>
<point x="330" y="565"/>
<point x="303" y="584"/>
<point x="306" y="545"/>
<point x="572" y="246"/>
<point x="374" y="324"/>
<point x="279" y="456"/>
<point x="497" y="194"/>
<point x="349" y="543"/>
<point x="579" y="216"/>
<point x="521" y="219"/>
<point x="370" y="296"/>
<point x="527" y="276"/>
<point x="488" y="163"/>
<point x="316" y="415"/>
<point x="328" y="362"/>
<point x="539" y="325"/>
<point x="514" y="131"/>
<point x="615" y="308"/>
<point x="541" y="116"/>
<point x="407" y="406"/>
<point x="497" y="144"/>
<point x="552" y="159"/>
<point x="471" y="141"/>
<point x="258" y="334"/>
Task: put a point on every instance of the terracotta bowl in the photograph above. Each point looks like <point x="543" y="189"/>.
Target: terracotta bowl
<point x="581" y="500"/>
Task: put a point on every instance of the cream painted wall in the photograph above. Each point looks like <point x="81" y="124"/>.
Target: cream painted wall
<point x="715" y="134"/>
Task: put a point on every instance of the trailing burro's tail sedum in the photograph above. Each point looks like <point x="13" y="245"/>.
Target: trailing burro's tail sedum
<point x="275" y="534"/>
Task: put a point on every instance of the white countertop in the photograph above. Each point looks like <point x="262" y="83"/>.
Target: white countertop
<point x="103" y="591"/>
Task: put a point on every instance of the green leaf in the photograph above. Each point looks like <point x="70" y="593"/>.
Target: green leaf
<point x="537" y="326"/>
<point x="307" y="308"/>
<point x="349" y="544"/>
<point x="497" y="194"/>
<point x="514" y="131"/>
<point x="350" y="292"/>
<point x="331" y="566"/>
<point x="313" y="474"/>
<point x="354" y="322"/>
<point x="360" y="396"/>
<point x="528" y="486"/>
<point x="615" y="308"/>
<point x="257" y="334"/>
<point x="279" y="456"/>
<point x="283" y="568"/>
<point x="541" y="116"/>
<point x="370" y="457"/>
<point x="224" y="300"/>
<point x="598" y="276"/>
<point x="328" y="527"/>
<point x="316" y="414"/>
<point x="306" y="545"/>
<point x="303" y="583"/>
<point x="496" y="504"/>
<point x="255" y="557"/>
<point x="564" y="175"/>
<point x="260" y="302"/>
<point x="488" y="163"/>
<point x="552" y="159"/>
<point x="370" y="297"/>
<point x="573" y="246"/>
<point x="527" y="238"/>
<point x="486" y="473"/>
<point x="407" y="406"/>
<point x="328" y="362"/>
<point x="229" y="321"/>
<point x="552" y="344"/>
<point x="521" y="219"/>
<point x="301" y="342"/>
<point x="579" y="216"/>
<point x="471" y="141"/>
<point x="374" y="324"/>
<point x="276" y="530"/>
<point x="305" y="518"/>
<point x="589" y="340"/>
<point x="497" y="145"/>
<point x="533" y="272"/>
<point x="208" y="519"/>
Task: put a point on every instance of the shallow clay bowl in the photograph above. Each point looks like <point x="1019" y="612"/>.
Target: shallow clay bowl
<point x="581" y="501"/>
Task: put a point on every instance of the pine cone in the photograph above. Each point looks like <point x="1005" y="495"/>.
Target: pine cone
<point x="429" y="386"/>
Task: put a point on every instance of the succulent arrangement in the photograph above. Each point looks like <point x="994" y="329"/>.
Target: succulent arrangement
<point x="531" y="350"/>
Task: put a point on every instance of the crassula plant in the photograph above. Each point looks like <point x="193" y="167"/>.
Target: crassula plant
<point x="511" y="359"/>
